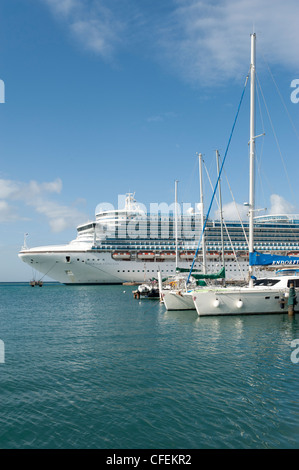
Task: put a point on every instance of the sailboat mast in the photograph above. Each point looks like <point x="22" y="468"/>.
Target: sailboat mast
<point x="203" y="244"/>
<point x="176" y="223"/>
<point x="252" y="153"/>
<point x="220" y="206"/>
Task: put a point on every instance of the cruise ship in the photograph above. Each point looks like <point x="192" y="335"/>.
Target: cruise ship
<point x="131" y="245"/>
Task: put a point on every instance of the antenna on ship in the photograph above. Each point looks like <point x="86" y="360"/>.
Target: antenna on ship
<point x="25" y="247"/>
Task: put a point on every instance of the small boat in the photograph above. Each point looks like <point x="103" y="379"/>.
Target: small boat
<point x="243" y="254"/>
<point x="146" y="255"/>
<point x="121" y="255"/>
<point x="175" y="294"/>
<point x="187" y="255"/>
<point x="212" y="254"/>
<point x="34" y="283"/>
<point x="167" y="255"/>
<point x="148" y="290"/>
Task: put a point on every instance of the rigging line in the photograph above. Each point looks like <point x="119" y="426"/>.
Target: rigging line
<point x="219" y="174"/>
<point x="149" y="309"/>
<point x="227" y="232"/>
<point x="102" y="270"/>
<point x="264" y="178"/>
<point x="190" y="183"/>
<point x="48" y="270"/>
<point x="226" y="229"/>
<point x="276" y="140"/>
<point x="259" y="158"/>
<point x="282" y="100"/>
<point x="236" y="207"/>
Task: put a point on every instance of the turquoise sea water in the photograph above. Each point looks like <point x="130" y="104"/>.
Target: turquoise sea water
<point x="91" y="367"/>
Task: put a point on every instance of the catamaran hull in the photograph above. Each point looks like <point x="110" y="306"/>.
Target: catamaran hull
<point x="239" y="302"/>
<point x="178" y="301"/>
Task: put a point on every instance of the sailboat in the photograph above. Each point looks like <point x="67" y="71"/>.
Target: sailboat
<point x="173" y="290"/>
<point x="179" y="295"/>
<point x="176" y="294"/>
<point x="261" y="296"/>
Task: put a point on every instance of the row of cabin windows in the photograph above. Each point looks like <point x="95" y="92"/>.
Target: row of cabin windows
<point x="142" y="271"/>
<point x="68" y="259"/>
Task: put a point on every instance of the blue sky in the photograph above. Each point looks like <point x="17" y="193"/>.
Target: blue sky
<point x="105" y="97"/>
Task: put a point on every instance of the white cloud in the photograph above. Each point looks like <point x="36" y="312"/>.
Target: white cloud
<point x="8" y="213"/>
<point x="8" y="188"/>
<point x="209" y="41"/>
<point x="94" y="35"/>
<point x="200" y="40"/>
<point x="36" y="195"/>
<point x="63" y="7"/>
<point x="162" y="117"/>
<point x="60" y="217"/>
<point x="93" y="24"/>
<point x="280" y="206"/>
<point x="14" y="190"/>
<point x="233" y="211"/>
<point x="35" y="188"/>
<point x="157" y="118"/>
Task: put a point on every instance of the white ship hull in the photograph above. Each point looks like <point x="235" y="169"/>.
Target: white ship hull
<point x="67" y="266"/>
<point x="70" y="265"/>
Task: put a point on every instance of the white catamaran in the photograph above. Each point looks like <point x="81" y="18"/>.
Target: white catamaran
<point x="260" y="296"/>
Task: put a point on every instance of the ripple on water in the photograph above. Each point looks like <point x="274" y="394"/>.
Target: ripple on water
<point x="94" y="368"/>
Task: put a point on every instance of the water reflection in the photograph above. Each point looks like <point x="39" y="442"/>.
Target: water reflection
<point x="183" y="316"/>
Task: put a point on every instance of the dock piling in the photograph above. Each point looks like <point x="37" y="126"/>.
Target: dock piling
<point x="292" y="300"/>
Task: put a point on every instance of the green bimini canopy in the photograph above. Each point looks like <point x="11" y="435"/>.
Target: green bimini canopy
<point x="219" y="275"/>
<point x="185" y="270"/>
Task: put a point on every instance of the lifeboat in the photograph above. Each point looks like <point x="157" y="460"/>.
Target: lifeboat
<point x="36" y="283"/>
<point x="146" y="255"/>
<point x="293" y="253"/>
<point x="167" y="255"/>
<point x="228" y="254"/>
<point x="243" y="254"/>
<point x="213" y="253"/>
<point x="121" y="255"/>
<point x="187" y="255"/>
